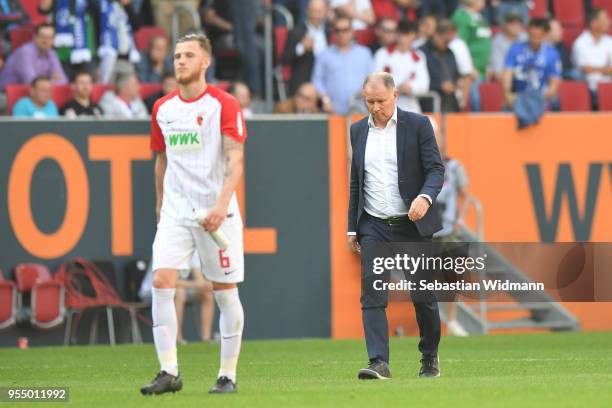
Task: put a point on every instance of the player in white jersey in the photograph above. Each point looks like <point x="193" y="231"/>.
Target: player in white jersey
<point x="198" y="133"/>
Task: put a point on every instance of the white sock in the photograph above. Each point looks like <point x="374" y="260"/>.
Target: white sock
<point x="165" y="329"/>
<point x="231" y="322"/>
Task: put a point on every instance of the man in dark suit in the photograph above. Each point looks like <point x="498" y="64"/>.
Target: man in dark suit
<point x="396" y="175"/>
<point x="305" y="41"/>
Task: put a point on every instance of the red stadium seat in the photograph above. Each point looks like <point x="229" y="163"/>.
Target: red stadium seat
<point x="570" y="33"/>
<point x="574" y="96"/>
<point x="148" y="89"/>
<point x="99" y="90"/>
<point x="539" y="10"/>
<point x="27" y="274"/>
<point x="365" y="37"/>
<point x="14" y="93"/>
<point x="604" y="96"/>
<point x="47" y="305"/>
<point x="491" y="96"/>
<point x="280" y="41"/>
<point x="31" y="8"/>
<point x="569" y="12"/>
<point x="8" y="303"/>
<point x="20" y="36"/>
<point x="61" y="95"/>
<point x="604" y="4"/>
<point x="144" y="34"/>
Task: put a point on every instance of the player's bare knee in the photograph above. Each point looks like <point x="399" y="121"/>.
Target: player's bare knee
<point x="164" y="279"/>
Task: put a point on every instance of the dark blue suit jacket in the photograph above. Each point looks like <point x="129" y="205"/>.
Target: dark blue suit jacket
<point x="420" y="168"/>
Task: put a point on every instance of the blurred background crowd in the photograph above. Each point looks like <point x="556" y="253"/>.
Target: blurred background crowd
<point x="113" y="58"/>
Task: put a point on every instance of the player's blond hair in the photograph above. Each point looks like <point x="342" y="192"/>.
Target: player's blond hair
<point x="200" y="38"/>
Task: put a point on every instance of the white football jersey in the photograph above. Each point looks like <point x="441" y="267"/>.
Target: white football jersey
<point x="191" y="131"/>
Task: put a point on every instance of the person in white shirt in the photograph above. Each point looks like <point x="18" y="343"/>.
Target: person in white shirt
<point x="124" y="102"/>
<point x="592" y="50"/>
<point x="360" y="11"/>
<point x="407" y="66"/>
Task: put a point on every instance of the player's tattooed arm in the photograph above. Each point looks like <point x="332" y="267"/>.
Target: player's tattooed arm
<point x="233" y="153"/>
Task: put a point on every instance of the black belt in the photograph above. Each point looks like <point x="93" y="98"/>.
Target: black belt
<point x="392" y="221"/>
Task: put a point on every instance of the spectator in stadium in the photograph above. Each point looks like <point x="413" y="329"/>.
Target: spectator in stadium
<point x="242" y="94"/>
<point x="385" y="32"/>
<point x="511" y="31"/>
<point x="75" y="23"/>
<point x="427" y="27"/>
<point x="305" y="101"/>
<point x="407" y="66"/>
<point x="124" y="101"/>
<point x="504" y="7"/>
<point x="187" y="289"/>
<point x="532" y="65"/>
<point x="39" y="104"/>
<point x="114" y="22"/>
<point x="359" y="11"/>
<point x="411" y="10"/>
<point x="163" y="10"/>
<point x="466" y="68"/>
<point x="155" y="61"/>
<point x="442" y="66"/>
<point x="169" y="84"/>
<point x="81" y="104"/>
<point x="474" y="30"/>
<point x="244" y="13"/>
<point x="340" y="70"/>
<point x="34" y="59"/>
<point x="304" y="43"/>
<point x="592" y="50"/>
<point x="555" y="38"/>
<point x="452" y="194"/>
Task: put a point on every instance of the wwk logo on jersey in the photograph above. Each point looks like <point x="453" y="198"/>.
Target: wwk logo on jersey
<point x="184" y="141"/>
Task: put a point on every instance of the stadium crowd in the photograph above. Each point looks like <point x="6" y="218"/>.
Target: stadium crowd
<point x="112" y="58"/>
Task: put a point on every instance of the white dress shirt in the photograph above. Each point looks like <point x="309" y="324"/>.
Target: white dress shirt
<point x="319" y="40"/>
<point x="588" y="52"/>
<point x="381" y="188"/>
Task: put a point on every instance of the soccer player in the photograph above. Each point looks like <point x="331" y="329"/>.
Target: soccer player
<point x="198" y="133"/>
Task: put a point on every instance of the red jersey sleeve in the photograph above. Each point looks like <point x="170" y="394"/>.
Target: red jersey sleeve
<point x="232" y="120"/>
<point x="157" y="138"/>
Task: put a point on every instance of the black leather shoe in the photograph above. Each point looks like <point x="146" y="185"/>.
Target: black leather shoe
<point x="223" y="386"/>
<point x="430" y="367"/>
<point x="162" y="383"/>
<point x="377" y="370"/>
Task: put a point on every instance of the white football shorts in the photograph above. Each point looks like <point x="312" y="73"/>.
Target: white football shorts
<point x="174" y="247"/>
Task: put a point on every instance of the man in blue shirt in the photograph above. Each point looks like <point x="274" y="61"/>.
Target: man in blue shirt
<point x="340" y="70"/>
<point x="532" y="64"/>
<point x="39" y="104"/>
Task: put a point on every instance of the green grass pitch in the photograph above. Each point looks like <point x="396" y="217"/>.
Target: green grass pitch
<point x="534" y="370"/>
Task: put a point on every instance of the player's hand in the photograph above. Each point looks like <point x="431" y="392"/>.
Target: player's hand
<point x="418" y="208"/>
<point x="353" y="244"/>
<point x="215" y="218"/>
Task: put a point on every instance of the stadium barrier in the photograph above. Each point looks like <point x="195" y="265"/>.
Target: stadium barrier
<point x="84" y="188"/>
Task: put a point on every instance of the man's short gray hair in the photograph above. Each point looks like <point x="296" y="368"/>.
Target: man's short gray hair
<point x="384" y="77"/>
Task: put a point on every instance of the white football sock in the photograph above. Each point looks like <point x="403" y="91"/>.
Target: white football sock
<point x="165" y="329"/>
<point x="231" y="322"/>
